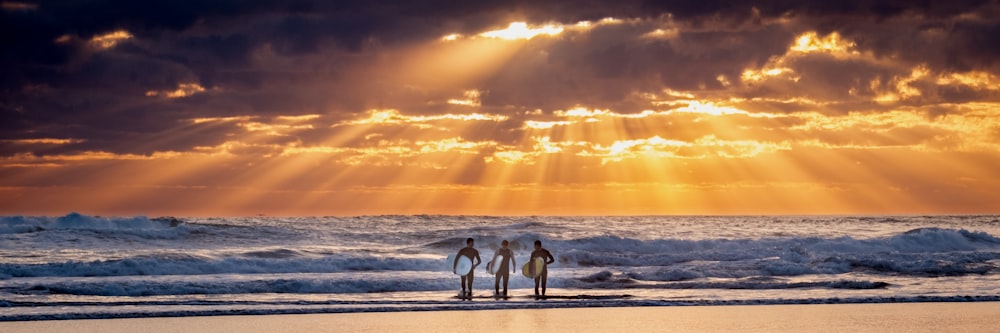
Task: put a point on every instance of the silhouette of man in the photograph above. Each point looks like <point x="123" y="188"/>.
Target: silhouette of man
<point x="473" y="255"/>
<point x="502" y="267"/>
<point x="540" y="277"/>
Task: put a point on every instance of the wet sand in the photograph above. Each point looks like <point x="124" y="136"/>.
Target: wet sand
<point x="903" y="317"/>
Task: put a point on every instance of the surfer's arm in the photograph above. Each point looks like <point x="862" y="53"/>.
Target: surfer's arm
<point x="478" y="260"/>
<point x="513" y="262"/>
<point x="550" y="259"/>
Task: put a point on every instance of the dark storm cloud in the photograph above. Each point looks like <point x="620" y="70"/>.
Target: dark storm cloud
<point x="267" y="58"/>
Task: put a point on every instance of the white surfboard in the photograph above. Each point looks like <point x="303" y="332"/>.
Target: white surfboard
<point x="491" y="267"/>
<point x="464" y="265"/>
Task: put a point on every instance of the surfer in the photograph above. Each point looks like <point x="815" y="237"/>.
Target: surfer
<point x="473" y="255"/>
<point x="502" y="267"/>
<point x="540" y="277"/>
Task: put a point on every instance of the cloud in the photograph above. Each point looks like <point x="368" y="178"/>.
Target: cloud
<point x="500" y="89"/>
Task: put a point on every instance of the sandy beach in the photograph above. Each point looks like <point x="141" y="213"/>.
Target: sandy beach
<point x="902" y="317"/>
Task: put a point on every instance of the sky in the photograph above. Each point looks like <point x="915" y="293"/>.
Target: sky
<point x="625" y="107"/>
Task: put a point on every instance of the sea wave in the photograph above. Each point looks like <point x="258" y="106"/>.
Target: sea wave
<point x="155" y="228"/>
<point x="77" y="266"/>
<point x="223" y="285"/>
<point x="255" y="262"/>
<point x="918" y="252"/>
<point x="611" y="280"/>
<point x="928" y="251"/>
<point x="298" y="283"/>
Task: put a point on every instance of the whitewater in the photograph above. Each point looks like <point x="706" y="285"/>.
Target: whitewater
<point x="80" y="266"/>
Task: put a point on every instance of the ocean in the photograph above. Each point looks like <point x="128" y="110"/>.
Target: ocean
<point x="80" y="266"/>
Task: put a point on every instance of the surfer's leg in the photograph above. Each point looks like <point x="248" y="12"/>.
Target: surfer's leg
<point x="471" y="276"/>
<point x="496" y="285"/>
<point x="537" y="279"/>
<point x="506" y="278"/>
<point x="545" y="277"/>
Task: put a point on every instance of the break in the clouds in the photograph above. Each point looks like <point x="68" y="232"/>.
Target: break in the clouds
<point x="499" y="107"/>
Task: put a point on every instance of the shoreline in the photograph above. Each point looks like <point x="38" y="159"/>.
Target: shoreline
<point x="883" y="317"/>
<point x="481" y="304"/>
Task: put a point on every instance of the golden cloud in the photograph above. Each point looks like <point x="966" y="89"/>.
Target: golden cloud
<point x="109" y="40"/>
<point x="183" y="90"/>
<point x="393" y="116"/>
<point x="471" y="98"/>
<point x="520" y="30"/>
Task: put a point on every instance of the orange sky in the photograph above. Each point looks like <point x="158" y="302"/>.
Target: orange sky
<point x="497" y="121"/>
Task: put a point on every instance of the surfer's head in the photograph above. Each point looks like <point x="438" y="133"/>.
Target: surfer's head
<point x="538" y="244"/>
<point x="504" y="243"/>
<point x="470" y="241"/>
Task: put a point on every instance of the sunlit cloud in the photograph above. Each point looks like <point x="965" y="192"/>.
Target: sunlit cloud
<point x="471" y="99"/>
<point x="455" y="145"/>
<point x="534" y="124"/>
<point x="705" y="107"/>
<point x="752" y="75"/>
<point x="273" y="129"/>
<point x="710" y="108"/>
<point x="974" y="79"/>
<point x="63" y="39"/>
<point x="279" y="126"/>
<point x="900" y="87"/>
<point x="276" y="126"/>
<point x="520" y="30"/>
<point x="832" y="43"/>
<point x="973" y="131"/>
<point x="61" y="159"/>
<point x="808" y="43"/>
<point x="541" y="146"/>
<point x="183" y="90"/>
<point x="790" y="100"/>
<point x="394" y="153"/>
<point x="524" y="31"/>
<point x="704" y="147"/>
<point x="661" y="33"/>
<point x="654" y="147"/>
<point x="109" y="40"/>
<point x="594" y="114"/>
<point x="44" y="141"/>
<point x="298" y="118"/>
<point x="18" y="6"/>
<point x="723" y="80"/>
<point x="394" y="117"/>
<point x="511" y="157"/>
<point x="714" y="112"/>
<point x="220" y="119"/>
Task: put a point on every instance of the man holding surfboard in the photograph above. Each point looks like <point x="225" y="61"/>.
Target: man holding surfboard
<point x="539" y="266"/>
<point x="473" y="255"/>
<point x="502" y="268"/>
